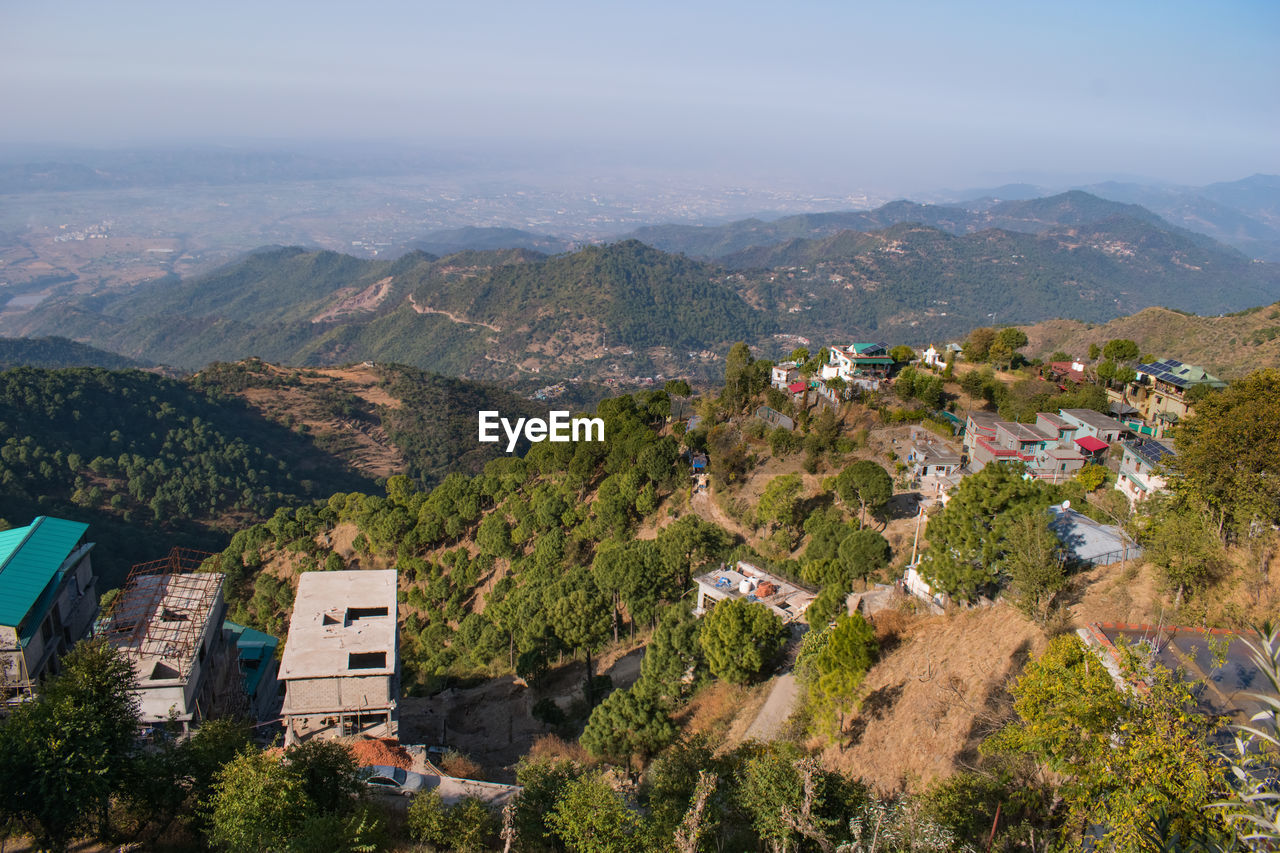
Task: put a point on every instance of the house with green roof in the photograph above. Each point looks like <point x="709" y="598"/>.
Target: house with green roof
<point x="1162" y="391"/>
<point x="858" y="364"/>
<point x="48" y="600"/>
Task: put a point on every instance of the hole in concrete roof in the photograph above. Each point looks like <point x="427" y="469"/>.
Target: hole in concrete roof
<point x="366" y="660"/>
<point x="162" y="671"/>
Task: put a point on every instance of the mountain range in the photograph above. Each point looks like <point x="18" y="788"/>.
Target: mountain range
<point x="627" y="309"/>
<point x="1244" y="214"/>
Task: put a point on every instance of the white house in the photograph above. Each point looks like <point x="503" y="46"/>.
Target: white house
<point x="1141" y="468"/>
<point x="782" y="375"/>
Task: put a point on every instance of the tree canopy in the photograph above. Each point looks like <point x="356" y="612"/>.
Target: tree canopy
<point x="866" y="484"/>
<point x="1128" y="755"/>
<point x="1228" y="459"/>
<point x="967" y="538"/>
<point x="739" y="639"/>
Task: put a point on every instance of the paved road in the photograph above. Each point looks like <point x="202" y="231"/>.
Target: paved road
<point x="776" y="709"/>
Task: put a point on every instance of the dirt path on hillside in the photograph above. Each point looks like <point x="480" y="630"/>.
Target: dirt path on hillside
<point x="708" y="510"/>
<point x="423" y="309"/>
<point x="777" y="708"/>
<point x="354" y="301"/>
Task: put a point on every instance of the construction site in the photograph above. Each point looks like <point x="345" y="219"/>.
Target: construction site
<point x="168" y="621"/>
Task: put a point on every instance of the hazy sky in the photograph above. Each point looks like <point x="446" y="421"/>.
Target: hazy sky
<point x="881" y="95"/>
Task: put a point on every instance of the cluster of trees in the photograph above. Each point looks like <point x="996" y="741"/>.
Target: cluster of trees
<point x="74" y="766"/>
<point x="1140" y="767"/>
<point x="840" y="550"/>
<point x="765" y="796"/>
<point x="993" y="531"/>
<point x="1020" y="400"/>
<point x="1119" y="355"/>
<point x="995" y="346"/>
<point x="553" y="528"/>
<point x="912" y="384"/>
<point x="832" y="662"/>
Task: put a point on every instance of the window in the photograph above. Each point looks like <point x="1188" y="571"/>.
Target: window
<point x="367" y="660"/>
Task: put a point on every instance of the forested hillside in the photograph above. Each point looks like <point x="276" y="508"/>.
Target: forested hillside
<point x="1031" y="216"/>
<point x="150" y="461"/>
<point x="918" y="284"/>
<point x="58" y="352"/>
<point x="146" y="460"/>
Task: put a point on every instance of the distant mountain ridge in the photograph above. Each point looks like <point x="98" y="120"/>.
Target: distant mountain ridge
<point x="1028" y="216"/>
<point x="1244" y="214"/>
<point x="472" y="239"/>
<point x="625" y="310"/>
<point x="496" y="315"/>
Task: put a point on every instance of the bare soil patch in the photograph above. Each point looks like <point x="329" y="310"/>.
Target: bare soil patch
<point x="355" y="301"/>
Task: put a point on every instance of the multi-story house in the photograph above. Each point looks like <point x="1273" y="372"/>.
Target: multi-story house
<point x="1142" y="468"/>
<point x="1160" y="390"/>
<point x="341" y="663"/>
<point x="48" y="601"/>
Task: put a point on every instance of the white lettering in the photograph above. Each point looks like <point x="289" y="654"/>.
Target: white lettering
<point x="559" y="426"/>
<point x="588" y="424"/>
<point x="513" y="435"/>
<point x="488" y="427"/>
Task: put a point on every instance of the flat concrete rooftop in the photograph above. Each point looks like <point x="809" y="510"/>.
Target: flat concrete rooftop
<point x="788" y="600"/>
<point x="343" y="624"/>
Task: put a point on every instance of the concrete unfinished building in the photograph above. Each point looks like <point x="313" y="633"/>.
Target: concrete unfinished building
<point x="167" y="620"/>
<point x="341" y="663"/>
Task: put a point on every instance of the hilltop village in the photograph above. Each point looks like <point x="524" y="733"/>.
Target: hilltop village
<point x="944" y="600"/>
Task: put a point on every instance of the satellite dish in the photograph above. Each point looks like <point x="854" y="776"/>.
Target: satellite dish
<point x="1066" y="504"/>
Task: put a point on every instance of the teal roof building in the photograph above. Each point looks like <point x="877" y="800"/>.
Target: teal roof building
<point x="48" y="600"/>
<point x="256" y="651"/>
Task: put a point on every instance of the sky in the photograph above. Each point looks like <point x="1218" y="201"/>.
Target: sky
<point x="904" y="95"/>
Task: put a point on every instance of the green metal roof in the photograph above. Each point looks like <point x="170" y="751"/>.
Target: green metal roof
<point x="30" y="558"/>
<point x="255" y="649"/>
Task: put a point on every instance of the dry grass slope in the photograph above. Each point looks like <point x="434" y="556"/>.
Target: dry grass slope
<point x="1231" y="345"/>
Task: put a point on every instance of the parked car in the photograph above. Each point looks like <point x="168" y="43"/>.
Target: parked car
<point x="393" y="780"/>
